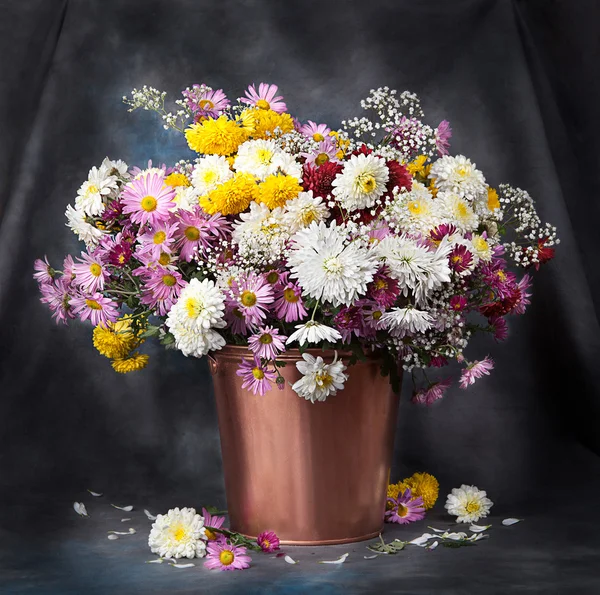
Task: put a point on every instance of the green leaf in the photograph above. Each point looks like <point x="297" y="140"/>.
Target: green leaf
<point x="168" y="339"/>
<point x="151" y="331"/>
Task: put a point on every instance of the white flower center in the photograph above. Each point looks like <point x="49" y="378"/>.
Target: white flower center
<point x="332" y="265"/>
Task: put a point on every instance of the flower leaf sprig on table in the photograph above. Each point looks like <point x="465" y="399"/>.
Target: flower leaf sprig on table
<point x="281" y="234"/>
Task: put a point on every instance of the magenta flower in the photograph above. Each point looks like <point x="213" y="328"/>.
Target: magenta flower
<point x="212" y="522"/>
<point x="288" y="303"/>
<point x="44" y="272"/>
<point x="318" y="132"/>
<point x="159" y="239"/>
<point x="90" y="273"/>
<point x="383" y="289"/>
<point x="235" y="319"/>
<point x="438" y="361"/>
<point x="405" y="509"/>
<point x="268" y="541"/>
<point x="349" y="321"/>
<point x="522" y="299"/>
<point x="460" y="259"/>
<point x="499" y="326"/>
<point x="196" y="231"/>
<point x="68" y="264"/>
<point x="205" y="102"/>
<point x="443" y="133"/>
<point x="458" y="302"/>
<point x="324" y="152"/>
<point x="222" y="555"/>
<point x="148" y="199"/>
<point x="276" y="278"/>
<point x="433" y="393"/>
<point x="445" y="229"/>
<point x="476" y="370"/>
<point x="161" y="289"/>
<point x="253" y="295"/>
<point x="265" y="98"/>
<point x="498" y="279"/>
<point x="94" y="307"/>
<point x="256" y="376"/>
<point x="267" y="343"/>
<point x="57" y="295"/>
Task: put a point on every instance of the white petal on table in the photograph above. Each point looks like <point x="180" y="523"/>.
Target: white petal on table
<point x="340" y="560"/>
<point x="436" y="530"/>
<point x="511" y="521"/>
<point x="149" y="515"/>
<point x="95" y="494"/>
<point x="290" y="560"/>
<point x="130" y="532"/>
<point x="157" y="561"/>
<point x="479" y="528"/>
<point x="421" y="541"/>
<point x="371" y="557"/>
<point x="454" y="536"/>
<point x="112" y="537"/>
<point x="432" y="546"/>
<point x="125" y="520"/>
<point x="79" y="508"/>
<point x="125" y="508"/>
<point x="182" y="565"/>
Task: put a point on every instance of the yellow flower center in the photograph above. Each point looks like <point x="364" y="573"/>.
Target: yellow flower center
<point x="323" y="379"/>
<point x="366" y="182"/>
<point x="164" y="259"/>
<point x="148" y="203"/>
<point x="93" y="304"/>
<point x="321" y="158"/>
<point x="193" y="307"/>
<point x="93" y="189"/>
<point x="192" y="233"/>
<point x="159" y="237"/>
<point x="248" y="298"/>
<point x="95" y="269"/>
<point x="402" y="510"/>
<point x="318" y="137"/>
<point x="226" y="557"/>
<point x="377" y="314"/>
<point x="273" y="277"/>
<point x="264" y="156"/>
<point x="206" y="104"/>
<point x="210" y="535"/>
<point x="289" y="295"/>
<point x="209" y="177"/>
<point x="332" y="265"/>
<point x="462" y="170"/>
<point x="266" y="339"/>
<point x="472" y="506"/>
<point x="266" y="544"/>
<point x="308" y="216"/>
<point x="381" y="284"/>
<point x="258" y="373"/>
<point x="480" y="244"/>
<point x="501" y="275"/>
<point x="179" y="534"/>
<point x="169" y="280"/>
<point x="263" y="104"/>
<point x="121" y="258"/>
<point x="492" y="200"/>
<point x="461" y="210"/>
<point x="456" y="258"/>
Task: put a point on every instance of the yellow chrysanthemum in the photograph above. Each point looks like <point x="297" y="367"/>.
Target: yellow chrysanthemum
<point x="416" y="167"/>
<point x="277" y="189"/>
<point x="215" y="137"/>
<point x="176" y="179"/>
<point x="114" y="340"/>
<point x="492" y="199"/>
<point x="231" y="197"/>
<point x="133" y="363"/>
<point x="424" y="485"/>
<point x="266" y="121"/>
<point x="394" y="490"/>
<point x="247" y="121"/>
<point x="433" y="189"/>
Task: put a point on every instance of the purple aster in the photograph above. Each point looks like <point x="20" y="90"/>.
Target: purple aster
<point x="268" y="541"/>
<point x="317" y="132"/>
<point x="288" y="303"/>
<point x="434" y="392"/>
<point x="383" y="289"/>
<point x="235" y="318"/>
<point x="460" y="259"/>
<point x="159" y="239"/>
<point x="222" y="555"/>
<point x="497" y="278"/>
<point x="94" y="307"/>
<point x="147" y="199"/>
<point x="349" y="321"/>
<point x="212" y="522"/>
<point x="44" y="273"/>
<point x="90" y="273"/>
<point x="254" y="297"/>
<point x="458" y="303"/>
<point x="405" y="509"/>
<point x="196" y="231"/>
<point x="499" y="327"/>
<point x="476" y="370"/>
<point x="445" y="229"/>
<point x="324" y="152"/>
<point x="57" y="295"/>
<point x="161" y="289"/>
<point x="205" y="102"/>
<point x="265" y="98"/>
<point x="267" y="343"/>
<point x="522" y="300"/>
<point x="256" y="376"/>
<point x="443" y="133"/>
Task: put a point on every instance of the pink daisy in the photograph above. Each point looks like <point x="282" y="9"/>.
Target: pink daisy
<point x="253" y="295"/>
<point x="324" y="152"/>
<point x="383" y="289"/>
<point x="476" y="370"/>
<point x="205" y="102"/>
<point x="265" y="98"/>
<point x="318" y="132"/>
<point x="136" y="171"/>
<point x="196" y="231"/>
<point x="443" y="133"/>
<point x="148" y="199"/>
<point x="267" y="343"/>
<point x="161" y="289"/>
<point x="44" y="273"/>
<point x="288" y="304"/>
<point x="68" y="264"/>
<point x="433" y="393"/>
<point x="212" y="522"/>
<point x="94" y="307"/>
<point x="225" y="556"/>
<point x="256" y="376"/>
<point x="161" y="238"/>
<point x="57" y="295"/>
<point x="405" y="509"/>
<point x="90" y="273"/>
<point x="276" y="278"/>
<point x="268" y="541"/>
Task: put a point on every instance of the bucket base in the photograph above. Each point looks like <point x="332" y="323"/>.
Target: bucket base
<point x="326" y="541"/>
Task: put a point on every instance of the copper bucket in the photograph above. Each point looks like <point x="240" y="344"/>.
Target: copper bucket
<point x="315" y="473"/>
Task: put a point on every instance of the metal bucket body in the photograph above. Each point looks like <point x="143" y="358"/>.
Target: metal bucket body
<point x="315" y="473"/>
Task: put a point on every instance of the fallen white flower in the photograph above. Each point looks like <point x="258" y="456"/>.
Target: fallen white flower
<point x="479" y="528"/>
<point x="79" y="508"/>
<point x="182" y="565"/>
<point x="96" y="494"/>
<point x="150" y="516"/>
<point x="125" y="508"/>
<point x="113" y="537"/>
<point x="340" y="560"/>
<point x="454" y="536"/>
<point x="511" y="521"/>
<point x="290" y="560"/>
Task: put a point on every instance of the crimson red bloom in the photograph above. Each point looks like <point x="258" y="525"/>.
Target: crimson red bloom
<point x="460" y="259"/>
<point x="545" y="253"/>
<point x="319" y="179"/>
<point x="458" y="302"/>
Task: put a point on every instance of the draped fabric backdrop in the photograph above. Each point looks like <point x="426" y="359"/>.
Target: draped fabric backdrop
<point x="516" y="79"/>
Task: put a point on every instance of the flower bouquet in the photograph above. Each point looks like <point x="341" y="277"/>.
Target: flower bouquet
<point x="297" y="243"/>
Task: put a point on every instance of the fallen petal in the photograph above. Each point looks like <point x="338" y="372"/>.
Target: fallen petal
<point x="432" y="546"/>
<point x="130" y="532"/>
<point x="421" y="541"/>
<point x="340" y="560"/>
<point x="113" y="537"/>
<point x="436" y="530"/>
<point x="454" y="536"/>
<point x="150" y="516"/>
<point x="125" y="520"/>
<point x="509" y="522"/>
<point x="125" y="508"/>
<point x="182" y="565"/>
<point x="158" y="561"/>
<point x="479" y="528"/>
<point x="290" y="560"/>
<point x="371" y="557"/>
<point x="79" y="508"/>
<point x="96" y="494"/>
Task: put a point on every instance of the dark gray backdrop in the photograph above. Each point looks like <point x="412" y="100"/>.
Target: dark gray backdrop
<point x="516" y="80"/>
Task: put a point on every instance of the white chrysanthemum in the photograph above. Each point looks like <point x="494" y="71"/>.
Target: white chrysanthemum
<point x="319" y="380"/>
<point x="406" y="320"/>
<point x="86" y="232"/>
<point x="457" y="174"/>
<point x="362" y="181"/>
<point x="481" y="247"/>
<point x="457" y="210"/>
<point x="256" y="157"/>
<point x="468" y="503"/>
<point x="286" y="164"/>
<point x="178" y="534"/>
<point x="328" y="266"/>
<point x="303" y="210"/>
<point x="313" y="332"/>
<point x="418" y="269"/>
<point x="193" y="317"/>
<point x="209" y="172"/>
<point x="109" y="166"/>
<point x="91" y="194"/>
<point x="414" y="210"/>
<point x="186" y="198"/>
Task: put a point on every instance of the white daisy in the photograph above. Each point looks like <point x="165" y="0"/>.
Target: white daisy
<point x="457" y="174"/>
<point x="91" y="194"/>
<point x="414" y="210"/>
<point x="178" y="534"/>
<point x="319" y="380"/>
<point x="186" y="198"/>
<point x="457" y="210"/>
<point x="468" y="503"/>
<point x="328" y="266"/>
<point x="303" y="210"/>
<point x="362" y="181"/>
<point x="481" y="247"/>
<point x="118" y="167"/>
<point x="209" y="172"/>
<point x="286" y="164"/>
<point x="86" y="232"/>
<point x="313" y="332"/>
<point x="256" y="157"/>
<point x="406" y="320"/>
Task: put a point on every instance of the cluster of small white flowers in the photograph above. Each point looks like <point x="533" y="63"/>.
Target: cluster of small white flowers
<point x="151" y="99"/>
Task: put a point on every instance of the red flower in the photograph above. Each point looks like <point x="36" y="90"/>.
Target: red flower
<point x="545" y="253"/>
<point x="319" y="179"/>
<point x="399" y="176"/>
